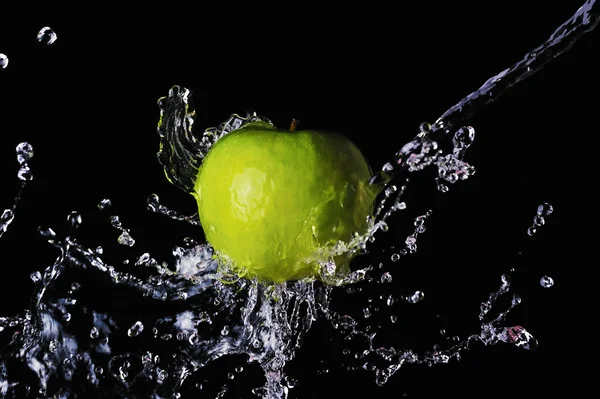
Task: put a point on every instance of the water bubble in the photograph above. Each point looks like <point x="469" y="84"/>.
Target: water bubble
<point x="546" y="281"/>
<point x="225" y="331"/>
<point x="239" y="369"/>
<point x="105" y="203"/>
<point x="3" y="61"/>
<point x="425" y="127"/>
<point x="126" y="240"/>
<point x="531" y="231"/>
<point x="46" y="36"/>
<point x="135" y="329"/>
<point x="24" y="152"/>
<point x="24" y="173"/>
<point x="99" y="250"/>
<point x="545" y="209"/>
<point x="67" y="317"/>
<point x="417" y="296"/>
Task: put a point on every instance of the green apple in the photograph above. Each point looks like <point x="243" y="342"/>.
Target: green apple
<point x="269" y="199"/>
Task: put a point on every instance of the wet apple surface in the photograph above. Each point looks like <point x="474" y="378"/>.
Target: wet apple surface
<point x="269" y="199"/>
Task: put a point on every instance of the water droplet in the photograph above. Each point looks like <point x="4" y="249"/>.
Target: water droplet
<point x="538" y="220"/>
<point x="546" y="281"/>
<point x="126" y="239"/>
<point x="3" y="61"/>
<point x="52" y="345"/>
<point x="24" y="152"/>
<point x="545" y="209"/>
<point x="115" y="221"/>
<point x="35" y="276"/>
<point x="386" y="277"/>
<point x="135" y="329"/>
<point x="153" y="202"/>
<point x="411" y="243"/>
<point x="7" y="216"/>
<point x="463" y="137"/>
<point x="143" y="259"/>
<point x="416" y="297"/>
<point x="46" y="36"/>
<point x="367" y="312"/>
<point x="390" y="190"/>
<point x="515" y="300"/>
<point x="425" y="127"/>
<point x="47" y="233"/>
<point x="24" y="173"/>
<point x="94" y="333"/>
<point x="390" y="300"/>
<point x="74" y="219"/>
<point x="398" y="206"/>
<point x="388" y="167"/>
<point x="105" y="203"/>
<point x="161" y="375"/>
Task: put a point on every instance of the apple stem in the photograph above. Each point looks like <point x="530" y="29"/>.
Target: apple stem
<point x="294" y="124"/>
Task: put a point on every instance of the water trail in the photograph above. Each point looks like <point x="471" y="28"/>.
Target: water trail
<point x="584" y="20"/>
<point x="24" y="154"/>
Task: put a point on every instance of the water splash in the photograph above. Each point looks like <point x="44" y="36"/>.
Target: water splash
<point x="200" y="313"/>
<point x="181" y="153"/>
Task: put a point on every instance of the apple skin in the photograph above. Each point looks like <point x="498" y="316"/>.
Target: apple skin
<point x="269" y="198"/>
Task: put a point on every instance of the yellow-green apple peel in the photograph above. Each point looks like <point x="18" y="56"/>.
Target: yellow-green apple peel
<point x="268" y="199"/>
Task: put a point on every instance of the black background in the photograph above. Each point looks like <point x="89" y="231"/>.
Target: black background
<point x="88" y="106"/>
